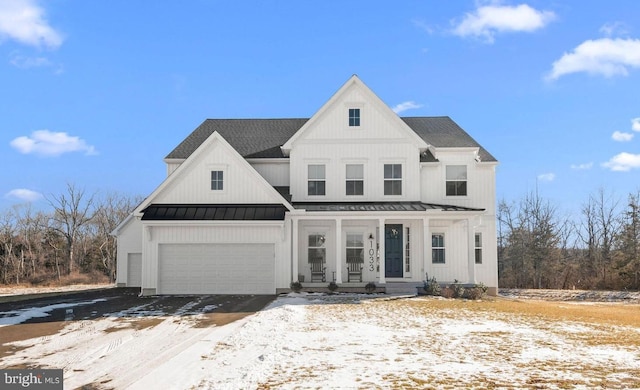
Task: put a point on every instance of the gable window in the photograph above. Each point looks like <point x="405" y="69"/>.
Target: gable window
<point x="355" y="248"/>
<point x="478" y="246"/>
<point x="316" y="182"/>
<point x="393" y="179"/>
<point x="217" y="180"/>
<point x="456" y="180"/>
<point x="355" y="179"/>
<point x="354" y="117"/>
<point x="437" y="248"/>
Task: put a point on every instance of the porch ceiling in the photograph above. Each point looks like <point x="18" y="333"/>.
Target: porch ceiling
<point x="378" y="206"/>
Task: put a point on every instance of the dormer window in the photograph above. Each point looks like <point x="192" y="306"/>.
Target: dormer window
<point x="354" y="117"/>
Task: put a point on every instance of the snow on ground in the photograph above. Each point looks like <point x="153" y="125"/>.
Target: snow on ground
<point x="21" y="290"/>
<point x="340" y="341"/>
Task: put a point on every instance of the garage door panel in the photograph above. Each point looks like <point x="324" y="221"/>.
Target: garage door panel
<point x="216" y="269"/>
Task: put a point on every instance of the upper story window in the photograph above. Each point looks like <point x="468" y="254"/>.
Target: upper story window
<point x="355" y="179"/>
<point x="316" y="180"/>
<point x="393" y="179"/>
<point x="456" y="180"/>
<point x="354" y="117"/>
<point x="217" y="180"/>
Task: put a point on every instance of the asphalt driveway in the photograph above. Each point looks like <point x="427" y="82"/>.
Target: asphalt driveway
<point x="38" y="317"/>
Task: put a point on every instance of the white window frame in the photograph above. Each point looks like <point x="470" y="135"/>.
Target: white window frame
<point x="219" y="181"/>
<point x="357" y="111"/>
<point x="442" y="248"/>
<point x="322" y="179"/>
<point x="322" y="246"/>
<point x="449" y="179"/>
<point x="352" y="247"/>
<point x="393" y="179"/>
<point x="477" y="238"/>
<point x="353" y="179"/>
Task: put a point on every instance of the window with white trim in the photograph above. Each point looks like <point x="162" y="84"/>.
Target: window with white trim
<point x="407" y="250"/>
<point x="316" y="179"/>
<point x="437" y="248"/>
<point x="217" y="180"/>
<point x="393" y="179"/>
<point x="478" y="248"/>
<point x="456" y="180"/>
<point x="317" y="252"/>
<point x="355" y="179"/>
<point x="354" y="117"/>
<point x="355" y="248"/>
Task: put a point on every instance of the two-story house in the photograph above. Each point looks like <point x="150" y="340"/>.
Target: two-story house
<point x="354" y="194"/>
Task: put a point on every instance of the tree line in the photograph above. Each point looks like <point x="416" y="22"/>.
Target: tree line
<point x="599" y="248"/>
<point x="70" y="243"/>
<point x="538" y="247"/>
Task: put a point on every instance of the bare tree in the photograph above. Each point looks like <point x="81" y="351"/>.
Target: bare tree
<point x="72" y="211"/>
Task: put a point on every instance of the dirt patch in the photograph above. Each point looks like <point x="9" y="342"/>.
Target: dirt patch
<point x="12" y="333"/>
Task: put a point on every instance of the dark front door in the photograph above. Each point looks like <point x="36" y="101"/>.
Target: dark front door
<point x="393" y="251"/>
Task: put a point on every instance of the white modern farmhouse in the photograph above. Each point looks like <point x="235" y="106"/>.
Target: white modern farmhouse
<point x="354" y="194"/>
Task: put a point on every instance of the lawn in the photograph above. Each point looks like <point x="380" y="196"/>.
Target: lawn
<point x="355" y="341"/>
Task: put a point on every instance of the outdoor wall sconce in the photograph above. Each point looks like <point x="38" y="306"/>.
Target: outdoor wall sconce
<point x="371" y="236"/>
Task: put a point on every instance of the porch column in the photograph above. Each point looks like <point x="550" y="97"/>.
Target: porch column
<point x="426" y="247"/>
<point x="471" y="251"/>
<point x="338" y="250"/>
<point x="381" y="239"/>
<point x="294" y="249"/>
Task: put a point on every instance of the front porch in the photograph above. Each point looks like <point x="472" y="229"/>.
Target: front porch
<point x="391" y="245"/>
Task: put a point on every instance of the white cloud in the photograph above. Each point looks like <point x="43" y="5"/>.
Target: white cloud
<point x="488" y="20"/>
<point x="635" y="124"/>
<point x="623" y="162"/>
<point x="405" y="106"/>
<point x="614" y="28"/>
<point x="547" y="177"/>
<point x="49" y="144"/>
<point x="582" y="167"/>
<point x="25" y="22"/>
<point x="606" y="57"/>
<point x="621" y="137"/>
<point x="24" y="195"/>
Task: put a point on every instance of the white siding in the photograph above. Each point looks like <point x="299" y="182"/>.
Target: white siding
<point x="194" y="184"/>
<point x="275" y="172"/>
<point x="244" y="233"/>
<point x="129" y="241"/>
<point x="373" y="156"/>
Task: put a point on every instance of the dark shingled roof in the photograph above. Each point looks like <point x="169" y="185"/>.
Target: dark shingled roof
<point x="214" y="212"/>
<point x="262" y="138"/>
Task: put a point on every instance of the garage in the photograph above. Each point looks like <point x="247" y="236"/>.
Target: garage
<point x="216" y="269"/>
<point x="134" y="269"/>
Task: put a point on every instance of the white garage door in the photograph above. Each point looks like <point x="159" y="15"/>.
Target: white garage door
<point x="134" y="269"/>
<point x="216" y="269"/>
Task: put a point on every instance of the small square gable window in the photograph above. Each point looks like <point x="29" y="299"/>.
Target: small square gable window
<point x="217" y="180"/>
<point x="354" y="117"/>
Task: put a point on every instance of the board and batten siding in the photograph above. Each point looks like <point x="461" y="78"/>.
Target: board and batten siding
<point x="129" y="241"/>
<point x="275" y="171"/>
<point x="373" y="156"/>
<point x="268" y="233"/>
<point x="194" y="185"/>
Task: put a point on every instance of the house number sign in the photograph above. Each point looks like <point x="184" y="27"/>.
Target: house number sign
<point x="372" y="261"/>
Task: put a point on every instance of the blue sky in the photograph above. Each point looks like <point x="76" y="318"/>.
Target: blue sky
<point x="96" y="93"/>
